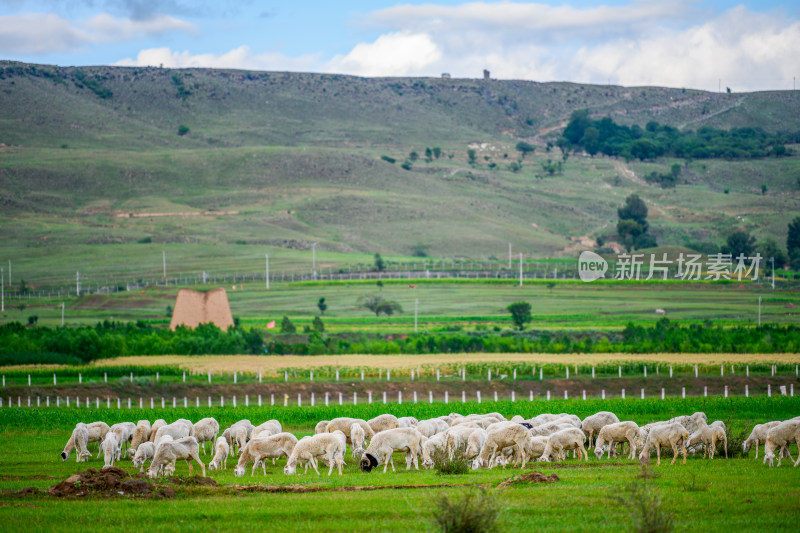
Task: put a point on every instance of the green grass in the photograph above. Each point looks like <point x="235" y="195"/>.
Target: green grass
<point x="33" y="438"/>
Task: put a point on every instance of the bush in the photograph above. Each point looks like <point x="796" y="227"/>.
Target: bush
<point x="444" y="465"/>
<point x="642" y="501"/>
<point x="475" y="511"/>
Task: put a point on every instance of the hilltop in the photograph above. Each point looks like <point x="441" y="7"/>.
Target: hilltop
<point x="141" y="157"/>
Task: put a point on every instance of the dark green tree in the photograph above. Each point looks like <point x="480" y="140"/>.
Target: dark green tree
<point x="322" y="306"/>
<point x="471" y="156"/>
<point x="634" y="209"/>
<point x="520" y="314"/>
<point x="437" y="152"/>
<point x="318" y="325"/>
<point x="525" y="148"/>
<point x="428" y="155"/>
<point x="413" y="156"/>
<point x="377" y="304"/>
<point x="287" y="326"/>
<point x="739" y="242"/>
<point x="770" y="248"/>
<point x="380" y="266"/>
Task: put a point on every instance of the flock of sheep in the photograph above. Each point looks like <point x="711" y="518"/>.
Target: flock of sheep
<point x="487" y="440"/>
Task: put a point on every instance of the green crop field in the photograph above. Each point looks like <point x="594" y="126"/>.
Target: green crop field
<point x="701" y="495"/>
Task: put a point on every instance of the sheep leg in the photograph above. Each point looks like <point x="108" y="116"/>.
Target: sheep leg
<point x="196" y="457"/>
<point x="725" y="445"/>
<point x="658" y="455"/>
<point x="264" y="465"/>
<point x="189" y="462"/>
<point x="756" y="448"/>
<point x="583" y="450"/>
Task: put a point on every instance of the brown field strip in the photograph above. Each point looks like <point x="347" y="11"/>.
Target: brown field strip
<point x="267" y="364"/>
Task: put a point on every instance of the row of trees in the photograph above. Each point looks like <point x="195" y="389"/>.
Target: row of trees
<point x="19" y="344"/>
<point x="656" y="140"/>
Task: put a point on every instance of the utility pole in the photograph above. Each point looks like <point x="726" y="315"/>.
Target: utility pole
<point x="77" y="283"/>
<point x="267" y="276"/>
<point x="62" y="314"/>
<point x="164" y="261"/>
<point x="509" y="256"/>
<point x="520" y="269"/>
<point x="314" y="258"/>
<point x="772" y="260"/>
<point x="2" y="291"/>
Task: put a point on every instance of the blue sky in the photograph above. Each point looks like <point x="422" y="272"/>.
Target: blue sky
<point x="679" y="43"/>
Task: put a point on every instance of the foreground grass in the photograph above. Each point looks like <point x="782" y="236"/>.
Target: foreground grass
<point x="734" y="494"/>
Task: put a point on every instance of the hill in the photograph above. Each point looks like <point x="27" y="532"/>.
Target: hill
<point x="148" y="157"/>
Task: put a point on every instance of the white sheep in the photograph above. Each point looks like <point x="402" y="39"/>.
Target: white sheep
<point x="357" y="438"/>
<point x="383" y="422"/>
<point x="612" y="434"/>
<point x="779" y="438"/>
<point x="269" y="447"/>
<point x="78" y="440"/>
<point x="561" y="441"/>
<point x="545" y="430"/>
<point x="709" y="436"/>
<point x="167" y="453"/>
<point x="325" y="445"/>
<point x="431" y="427"/>
<point x="758" y="436"/>
<point x="270" y="427"/>
<point x="124" y="431"/>
<point x="407" y="422"/>
<point x="111" y="447"/>
<point x="236" y="435"/>
<point x="592" y="424"/>
<point x="154" y="428"/>
<point x="474" y="443"/>
<point x="385" y="443"/>
<point x="512" y="435"/>
<point x="145" y="451"/>
<point x="221" y="452"/>
<point x="140" y="434"/>
<point x="519" y="419"/>
<point x="692" y="422"/>
<point x="206" y="430"/>
<point x="457" y="436"/>
<point x="543" y="418"/>
<point x="176" y="430"/>
<point x="321" y="427"/>
<point x="344" y="424"/>
<point x="535" y="446"/>
<point x="438" y="442"/>
<point x="672" y="435"/>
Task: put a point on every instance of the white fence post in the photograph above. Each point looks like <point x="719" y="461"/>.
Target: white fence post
<point x="683" y="392"/>
<point x="642" y="394"/>
<point x="384" y="397"/>
<point x="592" y="372"/>
<point x="530" y="393"/>
<point x="662" y="393"/>
<point x="259" y="400"/>
<point x="341" y="402"/>
<point x="548" y="396"/>
<point x="670" y="371"/>
<point x="415" y="396"/>
<point x="769" y="390"/>
<point x="695" y="371"/>
<point x="399" y="397"/>
<point x="430" y="396"/>
<point x="584" y="394"/>
<point x="541" y="374"/>
<point x="446" y="397"/>
<point x="603" y="394"/>
<point x="463" y="396"/>
<point x="726" y="391"/>
<point x="623" y="394"/>
<point x="566" y="397"/>
<point x="705" y="390"/>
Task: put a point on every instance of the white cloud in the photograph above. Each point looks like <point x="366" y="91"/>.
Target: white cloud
<point x="41" y="33"/>
<point x="238" y="58"/>
<point x="393" y="54"/>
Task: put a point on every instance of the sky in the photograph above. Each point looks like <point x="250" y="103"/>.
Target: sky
<point x="702" y="44"/>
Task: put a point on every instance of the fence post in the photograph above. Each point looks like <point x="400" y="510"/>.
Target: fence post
<point x="446" y="399"/>
<point x="415" y="396"/>
<point x="209" y="376"/>
<point x="619" y="370"/>
<point x="105" y="377"/>
<point x="80" y="378"/>
<point x="162" y="402"/>
<point x="340" y="399"/>
<point x="623" y="394"/>
<point x="642" y="394"/>
<point x="157" y="377"/>
<point x="769" y="390"/>
<point x="726" y="391"/>
<point x="299" y="399"/>
<point x="566" y="397"/>
<point x="567" y="367"/>
<point x="548" y="396"/>
<point x="259" y="399"/>
<point x="399" y="397"/>
<point x="670" y="371"/>
<point x="384" y="397"/>
<point x="388" y="374"/>
<point x="592" y="372"/>
<point x="362" y="374"/>
<point x="152" y="403"/>
<point x="234" y="377"/>
<point x="705" y="390"/>
<point x="603" y="394"/>
<point x="54" y="379"/>
<point x="272" y="399"/>
<point x="247" y="400"/>
<point x="530" y="393"/>
<point x="430" y="396"/>
<point x="541" y="374"/>
<point x="747" y="371"/>
<point x="355" y="398"/>
<point x="683" y="392"/>
<point x="662" y="393"/>
<point x="515" y="374"/>
<point x="174" y="402"/>
<point x="438" y="374"/>
<point x="286" y="376"/>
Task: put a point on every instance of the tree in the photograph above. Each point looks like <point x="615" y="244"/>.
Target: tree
<point x="428" y="155"/>
<point x="183" y="130"/>
<point x="520" y="314"/>
<point x="413" y="156"/>
<point x="318" y="325"/>
<point x="322" y="306"/>
<point x="525" y="148"/>
<point x="578" y="122"/>
<point x="739" y="242"/>
<point x="634" y="209"/>
<point x="793" y="236"/>
<point x="770" y="248"/>
<point x="380" y="266"/>
<point x="377" y="304"/>
<point x="437" y="152"/>
<point x="632" y="226"/>
<point x="471" y="156"/>
<point x="591" y="140"/>
<point x="287" y="326"/>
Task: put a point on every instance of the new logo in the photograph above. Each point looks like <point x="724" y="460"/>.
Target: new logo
<point x="591" y="266"/>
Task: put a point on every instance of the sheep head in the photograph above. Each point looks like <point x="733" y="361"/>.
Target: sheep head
<point x="368" y="462"/>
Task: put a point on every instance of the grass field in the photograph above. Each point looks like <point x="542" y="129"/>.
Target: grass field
<point x="703" y="495"/>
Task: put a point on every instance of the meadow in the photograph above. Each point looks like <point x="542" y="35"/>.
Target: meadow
<point x="703" y="494"/>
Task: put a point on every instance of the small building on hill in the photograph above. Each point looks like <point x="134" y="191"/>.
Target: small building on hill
<point x="193" y="308"/>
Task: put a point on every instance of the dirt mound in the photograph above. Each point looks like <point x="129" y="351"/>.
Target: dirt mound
<point x="530" y="477"/>
<point x="108" y="481"/>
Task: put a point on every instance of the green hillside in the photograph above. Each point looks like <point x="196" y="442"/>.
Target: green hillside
<point x="276" y="161"/>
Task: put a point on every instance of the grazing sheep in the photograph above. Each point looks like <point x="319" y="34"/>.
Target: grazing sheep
<point x="238" y="434"/>
<point x="221" y="452"/>
<point x="758" y="436"/>
<point x="154" y="428"/>
<point x="144" y="451"/>
<point x="545" y="430"/>
<point x="344" y="424"/>
<point x="176" y="430"/>
<point x="779" y="438"/>
<point x="672" y="435"/>
<point x="431" y="427"/>
<point x="612" y="434"/>
<point x="474" y="444"/>
<point x="692" y="422"/>
<point x="592" y="424"/>
<point x="457" y="436"/>
<point x="518" y="419"/>
<point x="709" y="436"/>
<point x="543" y="418"/>
<point x="270" y="447"/>
<point x="512" y="435"/>
<point x="407" y="422"/>
<point x="140" y="434"/>
<point x="383" y="422"/>
<point x="535" y="446"/>
<point x="321" y="427"/>
<point x="111" y="446"/>
<point x="325" y="445"/>
<point x="167" y="453"/>
<point x="357" y="438"/>
<point x="247" y="425"/>
<point x="572" y="420"/>
<point x="80" y="440"/>
<point x="561" y="441"/>
<point x="206" y="430"/>
<point x="270" y="427"/>
<point x="430" y="446"/>
<point x="124" y="431"/>
<point x="385" y="443"/>
<point x="97" y="432"/>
